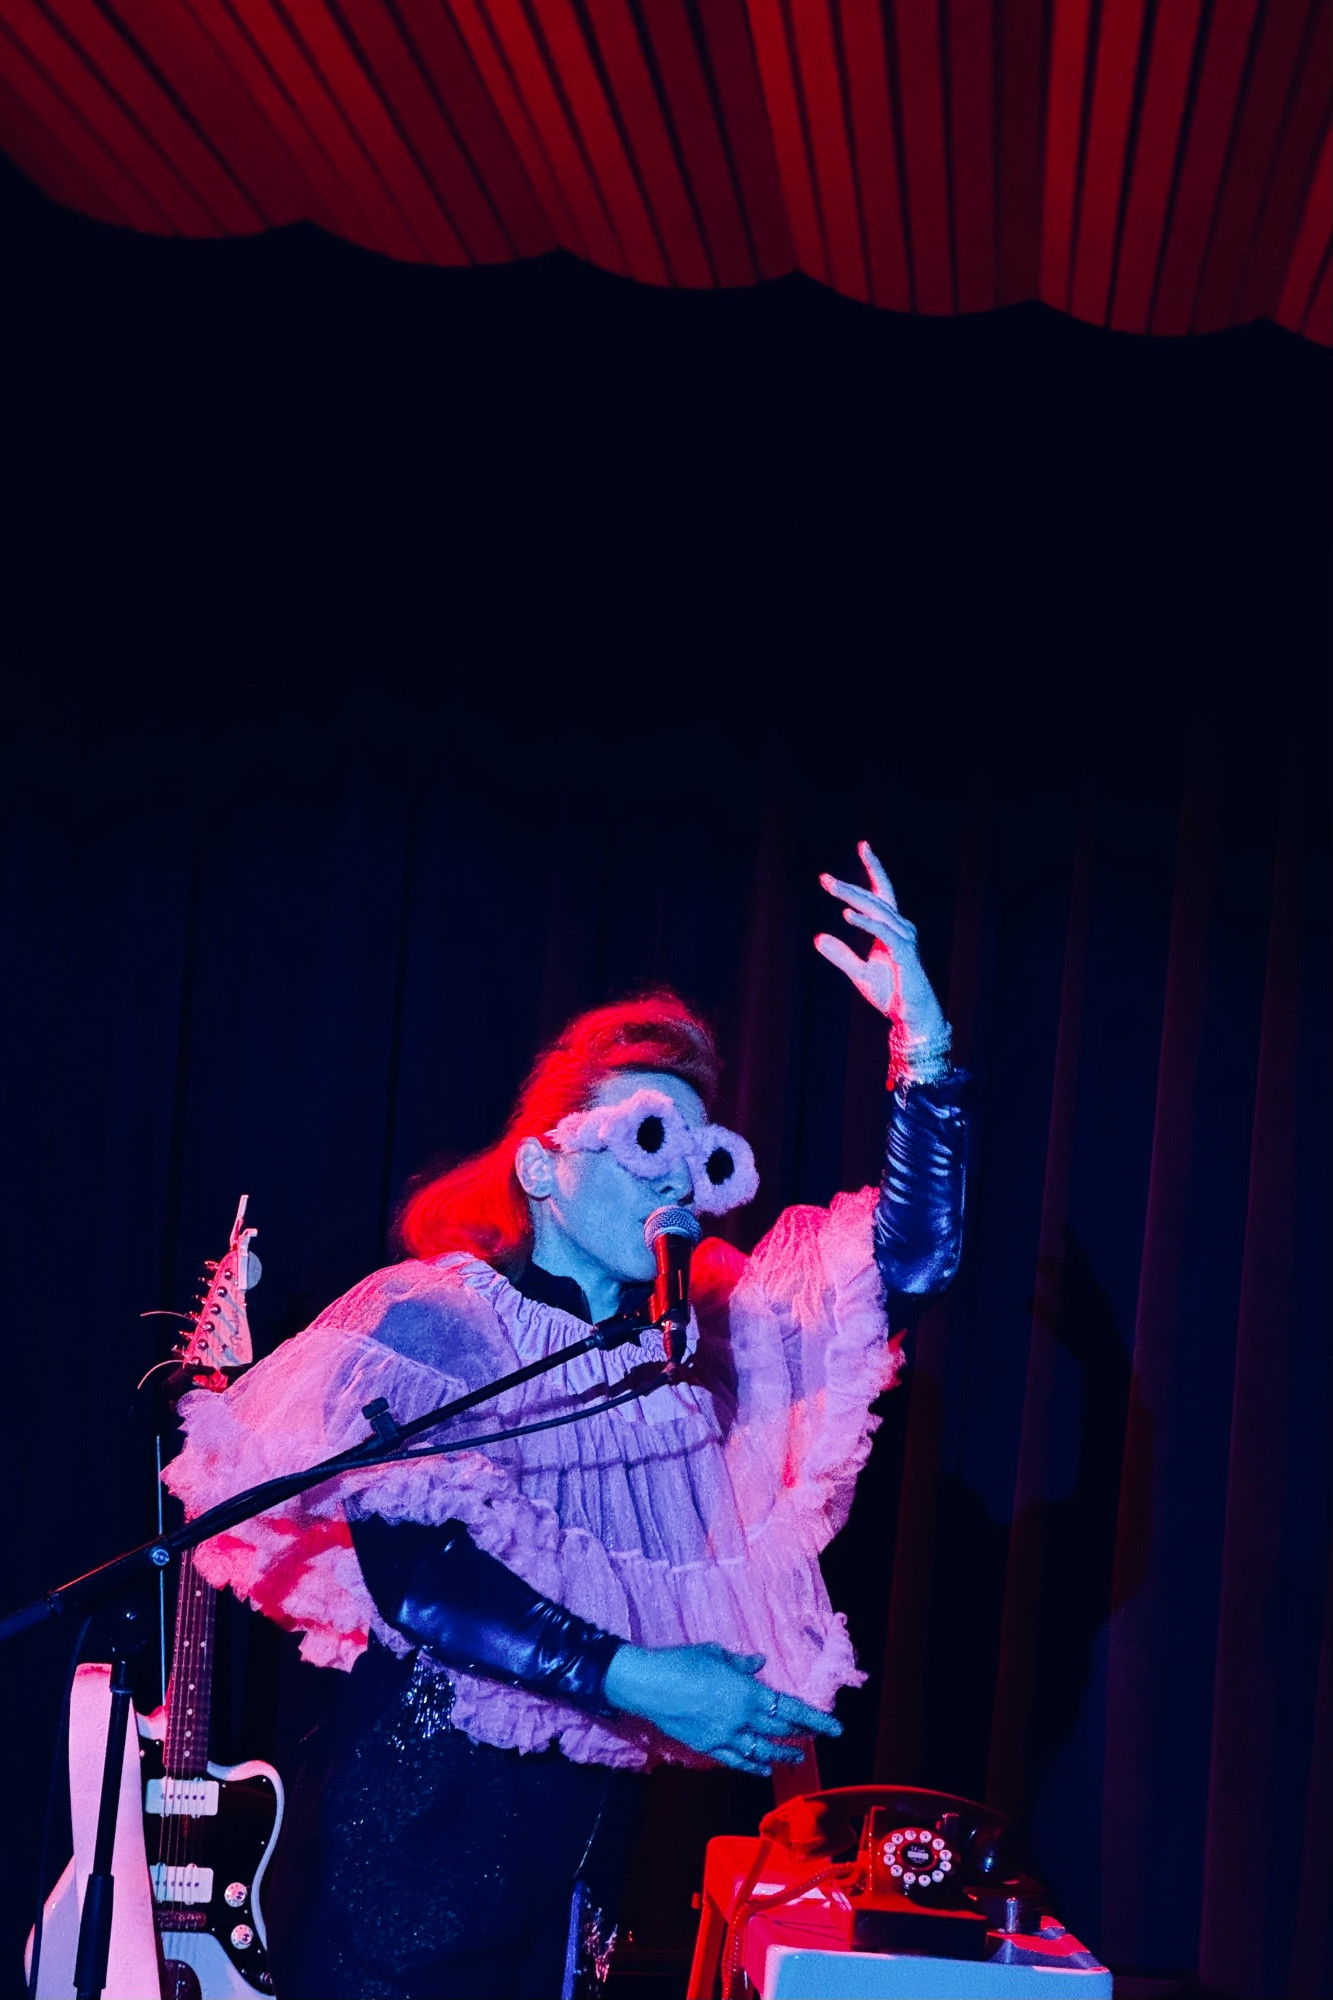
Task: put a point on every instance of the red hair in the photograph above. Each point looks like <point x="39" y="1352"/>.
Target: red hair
<point x="479" y="1206"/>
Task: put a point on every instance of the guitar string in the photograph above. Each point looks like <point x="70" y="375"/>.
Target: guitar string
<point x="186" y="1607"/>
<point x="191" y="1650"/>
<point x="194" y="1657"/>
<point x="173" y="1684"/>
<point x="180" y="1946"/>
<point x="173" y="1834"/>
<point x="176" y="1840"/>
<point x="188" y="1831"/>
<point x="187" y="1752"/>
<point x="166" y="1829"/>
<point x="201" y="1706"/>
<point x="179" y="1838"/>
<point x="191" y="1948"/>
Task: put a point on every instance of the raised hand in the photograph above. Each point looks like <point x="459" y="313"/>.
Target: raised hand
<point x="892" y="978"/>
<point x="710" y="1700"/>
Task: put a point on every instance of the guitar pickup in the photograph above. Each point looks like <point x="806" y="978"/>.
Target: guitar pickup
<point x="181" y="1798"/>
<point x="181" y="1882"/>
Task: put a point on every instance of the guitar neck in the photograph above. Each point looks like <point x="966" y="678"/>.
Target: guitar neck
<point x="190" y="1690"/>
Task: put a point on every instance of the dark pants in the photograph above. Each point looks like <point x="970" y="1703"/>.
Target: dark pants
<point x="419" y="1865"/>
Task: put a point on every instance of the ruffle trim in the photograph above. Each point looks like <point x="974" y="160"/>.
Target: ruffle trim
<point x="815" y="1273"/>
<point x="833" y="1428"/>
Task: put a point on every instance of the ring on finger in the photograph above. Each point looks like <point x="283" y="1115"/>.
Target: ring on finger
<point x="773" y="1704"/>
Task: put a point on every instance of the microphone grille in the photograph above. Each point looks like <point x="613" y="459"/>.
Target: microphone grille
<point x="671" y="1222"/>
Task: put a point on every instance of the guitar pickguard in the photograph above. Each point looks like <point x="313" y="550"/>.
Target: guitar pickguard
<point x="208" y="1869"/>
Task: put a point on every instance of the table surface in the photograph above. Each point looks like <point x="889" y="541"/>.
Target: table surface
<point x="796" y="1952"/>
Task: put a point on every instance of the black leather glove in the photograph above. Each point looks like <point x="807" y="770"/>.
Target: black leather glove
<point x="919" y="1215"/>
<point x="437" y="1588"/>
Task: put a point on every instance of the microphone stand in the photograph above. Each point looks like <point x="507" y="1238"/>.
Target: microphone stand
<point x="120" y="1575"/>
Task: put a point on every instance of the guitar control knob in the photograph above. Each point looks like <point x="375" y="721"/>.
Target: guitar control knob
<point x="234" y="1895"/>
<point x="242" y="1937"/>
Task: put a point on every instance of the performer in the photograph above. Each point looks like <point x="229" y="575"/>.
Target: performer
<point x="527" y="1626"/>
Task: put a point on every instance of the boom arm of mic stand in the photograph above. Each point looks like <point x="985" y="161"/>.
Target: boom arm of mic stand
<point x="614" y="1332"/>
<point x="123" y="1572"/>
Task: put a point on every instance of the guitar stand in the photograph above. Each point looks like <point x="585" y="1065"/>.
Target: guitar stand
<point x="90" y="1963"/>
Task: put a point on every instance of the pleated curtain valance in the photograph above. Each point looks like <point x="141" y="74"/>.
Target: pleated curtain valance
<point x="1158" y="166"/>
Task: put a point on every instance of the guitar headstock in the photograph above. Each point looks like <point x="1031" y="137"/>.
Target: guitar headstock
<point x="219" y="1340"/>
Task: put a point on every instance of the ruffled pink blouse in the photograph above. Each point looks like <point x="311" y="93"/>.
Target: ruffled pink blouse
<point x="695" y="1513"/>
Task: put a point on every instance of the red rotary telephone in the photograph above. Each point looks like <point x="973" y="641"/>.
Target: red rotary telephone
<point x="927" y="1872"/>
<point x="920" y="1872"/>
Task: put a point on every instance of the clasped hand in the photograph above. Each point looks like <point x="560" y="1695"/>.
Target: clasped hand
<point x="710" y="1700"/>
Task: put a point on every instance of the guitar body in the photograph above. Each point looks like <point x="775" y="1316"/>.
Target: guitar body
<point x="207" y="1869"/>
<point x="202" y="1960"/>
<point x="60" y="1940"/>
<point x="132" y="1956"/>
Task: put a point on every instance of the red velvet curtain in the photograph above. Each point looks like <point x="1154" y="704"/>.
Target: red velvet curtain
<point x="1149" y="165"/>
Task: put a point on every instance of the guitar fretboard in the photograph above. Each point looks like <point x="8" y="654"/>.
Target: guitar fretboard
<point x="189" y="1695"/>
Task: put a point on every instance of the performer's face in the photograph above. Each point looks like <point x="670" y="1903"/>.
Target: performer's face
<point x="596" y="1207"/>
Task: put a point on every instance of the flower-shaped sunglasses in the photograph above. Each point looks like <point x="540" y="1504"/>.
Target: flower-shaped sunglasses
<point x="648" y="1135"/>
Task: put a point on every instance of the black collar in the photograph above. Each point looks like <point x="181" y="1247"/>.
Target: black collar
<point x="567" y="1295"/>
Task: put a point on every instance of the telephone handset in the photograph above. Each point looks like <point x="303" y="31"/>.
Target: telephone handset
<point x="921" y="1872"/>
<point x="831" y="1823"/>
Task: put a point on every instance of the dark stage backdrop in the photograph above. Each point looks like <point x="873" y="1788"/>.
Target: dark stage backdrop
<point x="618" y="617"/>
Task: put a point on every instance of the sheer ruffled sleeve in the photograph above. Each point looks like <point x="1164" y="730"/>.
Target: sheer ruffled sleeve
<point x="807" y="1353"/>
<point x="417" y="1335"/>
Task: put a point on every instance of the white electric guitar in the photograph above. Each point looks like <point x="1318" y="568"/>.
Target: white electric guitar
<point x="208" y="1830"/>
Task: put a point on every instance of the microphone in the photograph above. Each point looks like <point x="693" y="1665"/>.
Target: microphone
<point x="671" y="1234"/>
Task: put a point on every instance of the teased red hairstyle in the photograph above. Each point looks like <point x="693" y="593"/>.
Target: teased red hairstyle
<point x="479" y="1205"/>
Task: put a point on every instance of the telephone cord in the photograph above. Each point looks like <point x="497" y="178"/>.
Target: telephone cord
<point x="749" y="1905"/>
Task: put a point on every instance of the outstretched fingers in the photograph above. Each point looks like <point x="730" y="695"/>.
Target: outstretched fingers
<point x="753" y="1749"/>
<point x="838" y="952"/>
<point x="869" y="903"/>
<point x="875" y="873"/>
<point x="890" y="930"/>
<point x="760" y="1766"/>
<point x="790" y="1716"/>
